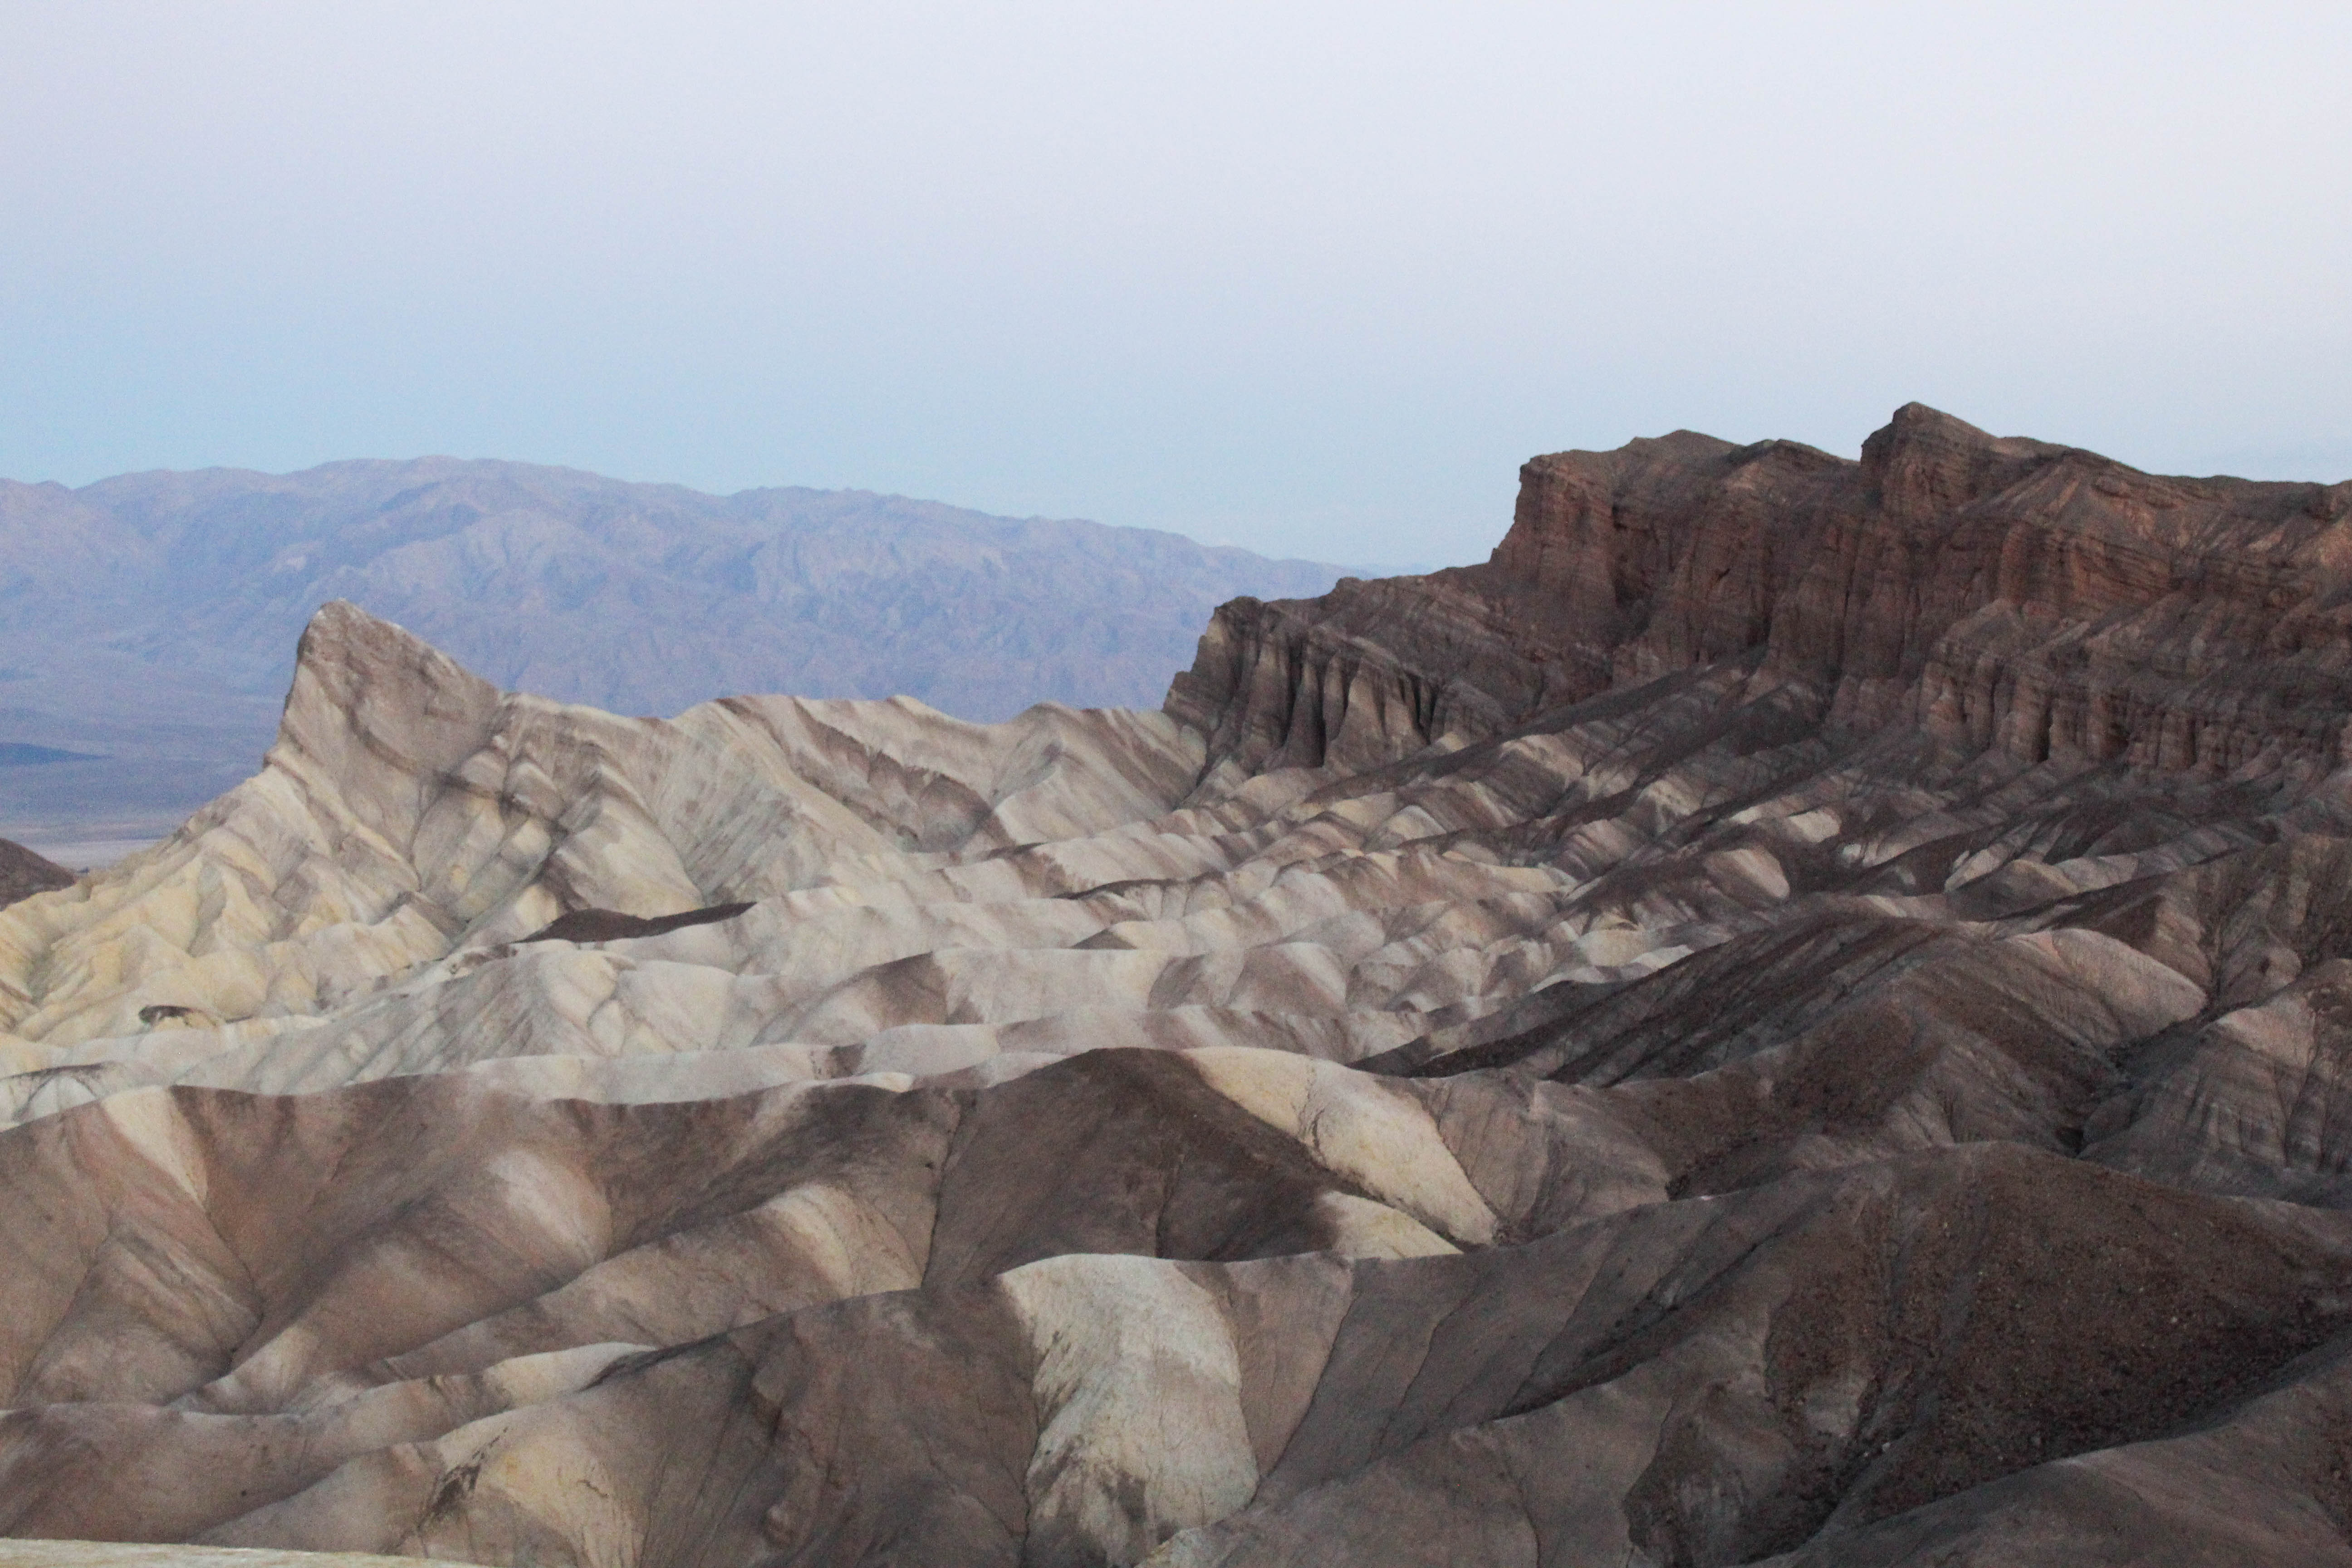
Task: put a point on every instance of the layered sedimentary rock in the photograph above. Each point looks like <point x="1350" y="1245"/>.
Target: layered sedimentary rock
<point x="2040" y="601"/>
<point x="1798" y="1015"/>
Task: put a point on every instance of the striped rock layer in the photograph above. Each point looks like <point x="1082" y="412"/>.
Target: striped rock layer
<point x="1797" y="1015"/>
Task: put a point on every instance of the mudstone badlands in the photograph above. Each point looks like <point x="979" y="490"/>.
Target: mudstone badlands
<point x="1803" y="1012"/>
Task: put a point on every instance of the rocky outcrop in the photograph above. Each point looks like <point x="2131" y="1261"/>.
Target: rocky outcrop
<point x="2040" y="600"/>
<point x="23" y="873"/>
<point x="1600" y="1057"/>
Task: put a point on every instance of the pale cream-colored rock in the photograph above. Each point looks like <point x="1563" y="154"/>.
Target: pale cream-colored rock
<point x="1362" y="1228"/>
<point x="1361" y="1128"/>
<point x="1138" y="1403"/>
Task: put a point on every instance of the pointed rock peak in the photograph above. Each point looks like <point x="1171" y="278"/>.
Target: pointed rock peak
<point x="1916" y="427"/>
<point x="355" y="673"/>
<point x="338" y="620"/>
<point x="1925" y="461"/>
<point x="342" y="634"/>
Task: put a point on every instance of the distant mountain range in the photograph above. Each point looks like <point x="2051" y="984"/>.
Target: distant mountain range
<point x="148" y="622"/>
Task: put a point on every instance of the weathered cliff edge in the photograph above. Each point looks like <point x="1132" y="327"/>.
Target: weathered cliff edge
<point x="1999" y="593"/>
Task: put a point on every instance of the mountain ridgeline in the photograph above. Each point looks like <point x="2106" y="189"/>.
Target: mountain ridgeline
<point x="1798" y="1015"/>
<point x="152" y="618"/>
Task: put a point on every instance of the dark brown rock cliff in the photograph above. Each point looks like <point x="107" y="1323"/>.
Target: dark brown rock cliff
<point x="2003" y="594"/>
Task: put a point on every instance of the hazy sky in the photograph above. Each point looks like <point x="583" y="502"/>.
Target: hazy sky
<point x="1310" y="278"/>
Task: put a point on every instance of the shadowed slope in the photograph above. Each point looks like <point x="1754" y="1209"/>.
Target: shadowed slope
<point x="24" y="873"/>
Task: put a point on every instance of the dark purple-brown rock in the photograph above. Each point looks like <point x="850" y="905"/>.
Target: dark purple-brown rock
<point x="24" y="873"/>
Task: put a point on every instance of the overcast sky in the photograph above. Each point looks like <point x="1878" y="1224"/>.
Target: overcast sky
<point x="1313" y="279"/>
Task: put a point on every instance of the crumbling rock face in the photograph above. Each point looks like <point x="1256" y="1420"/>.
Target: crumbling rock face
<point x="1801" y="1014"/>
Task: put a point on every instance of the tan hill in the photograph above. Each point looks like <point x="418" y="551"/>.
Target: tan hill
<point x="151" y="618"/>
<point x="1796" y="1016"/>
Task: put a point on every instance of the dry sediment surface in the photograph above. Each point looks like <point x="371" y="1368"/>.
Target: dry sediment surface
<point x="1799" y="1014"/>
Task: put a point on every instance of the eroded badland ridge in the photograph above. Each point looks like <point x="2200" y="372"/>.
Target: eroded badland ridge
<point x="147" y="621"/>
<point x="1799" y="1013"/>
